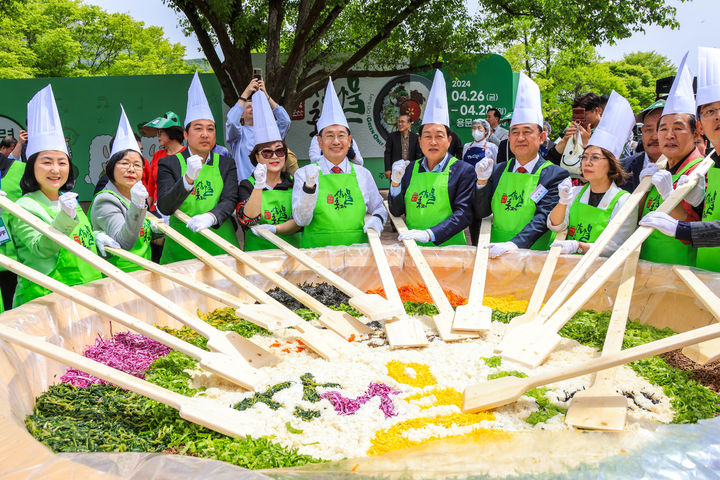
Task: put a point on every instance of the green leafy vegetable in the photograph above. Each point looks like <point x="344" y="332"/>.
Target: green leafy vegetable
<point x="506" y="373"/>
<point x="306" y="415"/>
<point x="263" y="397"/>
<point x="290" y="428"/>
<point x="310" y="392"/>
<point x="169" y="372"/>
<point x="546" y="410"/>
<point x="493" y="362"/>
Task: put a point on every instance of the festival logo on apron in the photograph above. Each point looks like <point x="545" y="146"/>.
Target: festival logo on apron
<point x="85" y="237"/>
<point x="277" y="215"/>
<point x="580" y="233"/>
<point x="202" y="189"/>
<point x="341" y="199"/>
<point x="652" y="203"/>
<point x="424" y="198"/>
<point x="709" y="204"/>
<point x="513" y="201"/>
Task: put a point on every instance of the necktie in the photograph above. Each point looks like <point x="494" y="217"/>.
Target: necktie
<point x="336" y="169"/>
<point x="521" y="170"/>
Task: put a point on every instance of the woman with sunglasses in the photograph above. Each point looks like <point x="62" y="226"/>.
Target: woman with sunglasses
<point x="119" y="209"/>
<point x="586" y="211"/>
<point x="266" y="196"/>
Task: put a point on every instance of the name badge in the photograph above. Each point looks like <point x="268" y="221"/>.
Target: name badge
<point x="538" y="193"/>
<point x="4" y="234"/>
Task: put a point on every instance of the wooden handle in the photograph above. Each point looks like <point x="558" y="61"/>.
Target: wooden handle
<point x="477" y="284"/>
<point x="386" y="276"/>
<point x="543" y="282"/>
<point x="706" y="296"/>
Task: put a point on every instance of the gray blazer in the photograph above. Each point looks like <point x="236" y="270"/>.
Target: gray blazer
<point x="109" y="215"/>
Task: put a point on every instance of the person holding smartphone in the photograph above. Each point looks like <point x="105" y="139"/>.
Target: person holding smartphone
<point x="587" y="112"/>
<point x="239" y="134"/>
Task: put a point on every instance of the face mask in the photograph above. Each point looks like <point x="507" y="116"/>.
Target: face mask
<point x="478" y="135"/>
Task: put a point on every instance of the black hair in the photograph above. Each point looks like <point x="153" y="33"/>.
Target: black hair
<point x="405" y="115"/>
<point x="495" y="112"/>
<point x="260" y="146"/>
<point x="112" y="140"/>
<point x="187" y="127"/>
<point x="604" y="100"/>
<point x="28" y="182"/>
<point x="588" y="101"/>
<point x="175" y="133"/>
<point x="320" y="132"/>
<point x="8" y="142"/>
<point x="110" y="165"/>
<point x="447" y="130"/>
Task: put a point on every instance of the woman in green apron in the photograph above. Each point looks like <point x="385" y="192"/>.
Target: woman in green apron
<point x="11" y="174"/>
<point x="265" y="199"/>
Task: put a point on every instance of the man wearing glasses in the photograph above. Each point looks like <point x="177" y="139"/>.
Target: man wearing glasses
<point x="331" y="197"/>
<point x="635" y="164"/>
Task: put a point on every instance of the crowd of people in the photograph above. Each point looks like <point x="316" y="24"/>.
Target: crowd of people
<point x="443" y="188"/>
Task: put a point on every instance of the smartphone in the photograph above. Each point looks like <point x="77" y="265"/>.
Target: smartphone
<point x="257" y="74"/>
<point x="578" y="115"/>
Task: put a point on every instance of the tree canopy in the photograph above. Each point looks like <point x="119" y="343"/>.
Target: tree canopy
<point x="67" y="38"/>
<point x="305" y="41"/>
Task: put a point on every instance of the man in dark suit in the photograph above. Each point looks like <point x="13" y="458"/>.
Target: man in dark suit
<point x="402" y="144"/>
<point x="636" y="163"/>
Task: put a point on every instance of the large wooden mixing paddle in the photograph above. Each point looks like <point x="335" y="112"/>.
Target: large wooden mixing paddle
<point x="706" y="352"/>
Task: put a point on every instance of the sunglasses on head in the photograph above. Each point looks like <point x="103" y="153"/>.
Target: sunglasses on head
<point x="268" y="154"/>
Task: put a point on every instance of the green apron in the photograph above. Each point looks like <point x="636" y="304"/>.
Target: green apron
<point x="585" y="222"/>
<point x="661" y="248"/>
<point x="204" y="197"/>
<point x="709" y="257"/>
<point x="339" y="214"/>
<point x="69" y="268"/>
<point x="142" y="245"/>
<point x="275" y="208"/>
<point x="513" y="208"/>
<point x="427" y="202"/>
<point x="11" y="186"/>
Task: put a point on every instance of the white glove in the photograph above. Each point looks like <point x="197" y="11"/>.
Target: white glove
<point x="311" y="175"/>
<point x="567" y="246"/>
<point x="194" y="164"/>
<point x="484" y="168"/>
<point x="68" y="203"/>
<point x="139" y="195"/>
<point x="3" y="193"/>
<point x="497" y="249"/>
<point x="662" y="179"/>
<point x="650" y="170"/>
<point x="660" y="221"/>
<point x="374" y="223"/>
<point x="565" y="190"/>
<point x="265" y="226"/>
<point x="417" y="235"/>
<point x="398" y="170"/>
<point x="103" y="240"/>
<point x="201" y="222"/>
<point x="695" y="196"/>
<point x="260" y="175"/>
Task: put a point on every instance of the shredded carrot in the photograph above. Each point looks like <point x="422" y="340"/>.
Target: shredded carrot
<point x="352" y="338"/>
<point x="275" y="344"/>
<point x="355" y="467"/>
<point x="300" y="349"/>
<point x="420" y="294"/>
<point x="285" y="350"/>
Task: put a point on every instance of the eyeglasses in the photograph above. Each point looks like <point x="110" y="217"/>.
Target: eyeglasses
<point x="340" y="138"/>
<point x="268" y="154"/>
<point x="710" y="113"/>
<point x="593" y="159"/>
<point x="128" y="165"/>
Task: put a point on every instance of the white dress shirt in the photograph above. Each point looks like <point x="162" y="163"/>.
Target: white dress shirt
<point x="530" y="166"/>
<point x="626" y="229"/>
<point x="304" y="203"/>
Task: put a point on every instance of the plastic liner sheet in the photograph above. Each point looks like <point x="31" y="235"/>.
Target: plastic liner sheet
<point x="659" y="299"/>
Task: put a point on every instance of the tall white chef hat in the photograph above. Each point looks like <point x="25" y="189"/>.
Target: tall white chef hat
<point x="615" y="125"/>
<point x="436" y="108"/>
<point x="44" y="128"/>
<point x="197" y="104"/>
<point x="332" y="112"/>
<point x="528" y="103"/>
<point x="708" y="77"/>
<point x="124" y="137"/>
<point x="265" y="127"/>
<point x="681" y="98"/>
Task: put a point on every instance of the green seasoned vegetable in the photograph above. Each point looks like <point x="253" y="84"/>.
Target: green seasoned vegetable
<point x="419" y="308"/>
<point x="508" y="373"/>
<point x="264" y="397"/>
<point x="169" y="372"/>
<point x="306" y="314"/>
<point x="290" y="428"/>
<point x="504" y="317"/>
<point x="348" y="309"/>
<point x="546" y="410"/>
<point x="493" y="362"/>
<point x="306" y="415"/>
<point x="310" y="387"/>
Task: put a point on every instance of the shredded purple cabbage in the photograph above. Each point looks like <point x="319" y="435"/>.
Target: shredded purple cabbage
<point x="130" y="352"/>
<point x="348" y="406"/>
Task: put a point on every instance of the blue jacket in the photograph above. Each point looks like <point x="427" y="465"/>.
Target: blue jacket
<point x="550" y="177"/>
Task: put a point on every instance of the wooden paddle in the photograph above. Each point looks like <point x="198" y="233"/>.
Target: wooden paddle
<point x="505" y="390"/>
<point x="403" y="330"/>
<point x="542" y="339"/>
<point x="229" y="343"/>
<point x="443" y="320"/>
<point x="202" y="411"/>
<point x="600" y="407"/>
<point x="227" y="367"/>
<point x="341" y="323"/>
<point x="474" y="316"/>
<point x="516" y="336"/>
<point x="372" y="306"/>
<point x="706" y="352"/>
<point x="322" y="342"/>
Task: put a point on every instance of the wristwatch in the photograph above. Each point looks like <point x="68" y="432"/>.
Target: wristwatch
<point x="243" y="99"/>
<point x="580" y="250"/>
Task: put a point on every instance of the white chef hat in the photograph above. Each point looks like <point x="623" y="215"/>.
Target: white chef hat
<point x="197" y="104"/>
<point x="681" y="98"/>
<point x="615" y="125"/>
<point x="44" y="128"/>
<point x="124" y="137"/>
<point x="332" y="112"/>
<point x="436" y="108"/>
<point x="265" y="127"/>
<point x="528" y="103"/>
<point x="708" y="77"/>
